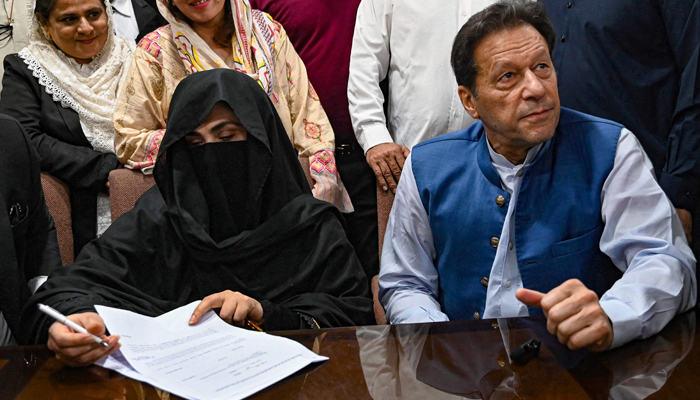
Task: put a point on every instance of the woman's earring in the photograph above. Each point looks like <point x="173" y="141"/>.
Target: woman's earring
<point x="48" y="36"/>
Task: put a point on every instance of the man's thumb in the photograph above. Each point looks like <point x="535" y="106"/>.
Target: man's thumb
<point x="529" y="297"/>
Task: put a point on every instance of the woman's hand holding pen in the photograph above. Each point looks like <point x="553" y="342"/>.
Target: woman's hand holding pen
<point x="235" y="307"/>
<point x="79" y="349"/>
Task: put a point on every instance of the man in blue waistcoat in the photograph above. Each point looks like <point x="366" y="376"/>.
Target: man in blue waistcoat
<point x="535" y="209"/>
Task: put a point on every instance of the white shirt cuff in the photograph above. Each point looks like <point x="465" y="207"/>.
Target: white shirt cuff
<point x="417" y="315"/>
<point x="626" y="325"/>
<point x="370" y="135"/>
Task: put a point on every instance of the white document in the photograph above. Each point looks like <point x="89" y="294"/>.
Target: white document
<point x="209" y="360"/>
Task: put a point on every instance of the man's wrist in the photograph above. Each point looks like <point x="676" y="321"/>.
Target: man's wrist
<point x="626" y="325"/>
<point x="372" y="134"/>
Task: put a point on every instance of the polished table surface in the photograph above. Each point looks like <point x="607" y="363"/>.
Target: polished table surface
<point x="451" y="360"/>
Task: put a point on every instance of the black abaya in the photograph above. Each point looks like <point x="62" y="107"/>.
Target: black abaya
<point x="291" y="254"/>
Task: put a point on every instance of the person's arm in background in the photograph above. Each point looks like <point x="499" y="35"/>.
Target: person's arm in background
<point x="79" y="166"/>
<point x="42" y="255"/>
<point x="312" y="133"/>
<point x="408" y="279"/>
<point x="680" y="177"/>
<point x="142" y="109"/>
<point x="30" y="245"/>
<point x="369" y="65"/>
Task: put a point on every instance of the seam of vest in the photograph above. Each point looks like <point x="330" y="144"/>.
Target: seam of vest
<point x="440" y="139"/>
<point x="588" y="119"/>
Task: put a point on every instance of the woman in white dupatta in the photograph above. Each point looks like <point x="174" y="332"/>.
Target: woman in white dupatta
<point x="63" y="88"/>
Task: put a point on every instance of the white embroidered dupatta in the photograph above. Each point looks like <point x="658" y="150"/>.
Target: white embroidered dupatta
<point x="93" y="97"/>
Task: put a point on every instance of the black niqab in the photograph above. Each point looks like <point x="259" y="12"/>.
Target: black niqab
<point x="271" y="158"/>
<point x="222" y="173"/>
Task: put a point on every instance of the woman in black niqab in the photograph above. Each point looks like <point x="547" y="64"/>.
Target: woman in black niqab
<point x="235" y="216"/>
<point x="273" y="175"/>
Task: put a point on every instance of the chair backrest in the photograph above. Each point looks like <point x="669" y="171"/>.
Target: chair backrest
<point x="304" y="161"/>
<point x="384" y="202"/>
<point x="126" y="186"/>
<point x="57" y="196"/>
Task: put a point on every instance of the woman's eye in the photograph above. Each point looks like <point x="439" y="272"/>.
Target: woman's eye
<point x="192" y="142"/>
<point x="229" y="134"/>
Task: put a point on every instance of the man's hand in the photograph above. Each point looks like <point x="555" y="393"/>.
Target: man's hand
<point x="79" y="349"/>
<point x="387" y="161"/>
<point x="235" y="308"/>
<point x="573" y="314"/>
<point x="687" y="221"/>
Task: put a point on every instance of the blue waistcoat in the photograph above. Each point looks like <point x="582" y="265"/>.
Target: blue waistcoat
<point x="558" y="221"/>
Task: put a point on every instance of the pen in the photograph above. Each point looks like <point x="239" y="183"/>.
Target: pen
<point x="65" y="321"/>
<point x="251" y="325"/>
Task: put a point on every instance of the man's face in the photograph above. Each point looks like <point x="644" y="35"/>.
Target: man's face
<point x="517" y="100"/>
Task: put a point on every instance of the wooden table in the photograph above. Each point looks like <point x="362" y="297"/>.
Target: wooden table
<point x="453" y="360"/>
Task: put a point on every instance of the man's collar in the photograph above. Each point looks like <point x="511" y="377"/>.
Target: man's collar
<point x="503" y="162"/>
<point x="122" y="7"/>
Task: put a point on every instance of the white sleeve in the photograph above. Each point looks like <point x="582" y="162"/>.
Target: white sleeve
<point x="408" y="279"/>
<point x="645" y="239"/>
<point x="369" y="65"/>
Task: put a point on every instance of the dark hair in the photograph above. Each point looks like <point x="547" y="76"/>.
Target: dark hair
<point x="44" y="8"/>
<point x="224" y="34"/>
<point x="495" y="18"/>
